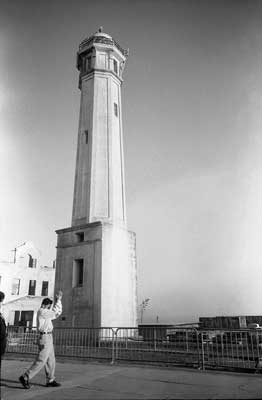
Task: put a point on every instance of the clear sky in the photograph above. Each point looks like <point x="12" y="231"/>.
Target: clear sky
<point x="192" y="99"/>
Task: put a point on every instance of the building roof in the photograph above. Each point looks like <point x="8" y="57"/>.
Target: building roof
<point x="24" y="298"/>
<point x="101" y="37"/>
<point x="154" y="324"/>
<point x="100" y="33"/>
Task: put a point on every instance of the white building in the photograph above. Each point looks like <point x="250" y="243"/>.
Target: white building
<point x="25" y="283"/>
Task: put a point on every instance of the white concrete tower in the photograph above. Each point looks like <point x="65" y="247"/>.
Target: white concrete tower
<point x="96" y="256"/>
<point x="99" y="193"/>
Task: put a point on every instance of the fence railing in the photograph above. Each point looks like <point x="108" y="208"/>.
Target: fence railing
<point x="175" y="345"/>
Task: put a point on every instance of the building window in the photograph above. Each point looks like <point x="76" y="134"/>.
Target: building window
<point x="115" y="109"/>
<point x="17" y="318"/>
<point x="24" y="318"/>
<point x="15" y="287"/>
<point x="32" y="285"/>
<point x="115" y="66"/>
<point x="86" y="136"/>
<point x="44" y="288"/>
<point x="27" y="318"/>
<point x="88" y="63"/>
<point x="78" y="272"/>
<point x="80" y="236"/>
<point x="31" y="262"/>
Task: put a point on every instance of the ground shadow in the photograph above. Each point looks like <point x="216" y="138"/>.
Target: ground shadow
<point x="9" y="383"/>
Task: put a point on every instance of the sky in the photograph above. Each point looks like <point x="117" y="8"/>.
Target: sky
<point x="192" y="121"/>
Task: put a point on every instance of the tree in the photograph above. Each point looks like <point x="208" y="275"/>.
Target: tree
<point x="142" y="308"/>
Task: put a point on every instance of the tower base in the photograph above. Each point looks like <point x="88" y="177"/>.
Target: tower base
<point x="96" y="270"/>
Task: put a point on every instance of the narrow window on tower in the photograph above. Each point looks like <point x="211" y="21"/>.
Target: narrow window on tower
<point x="115" y="109"/>
<point x="86" y="137"/>
<point x="88" y="63"/>
<point x="115" y="66"/>
<point x="80" y="236"/>
<point x="78" y="272"/>
<point x="32" y="285"/>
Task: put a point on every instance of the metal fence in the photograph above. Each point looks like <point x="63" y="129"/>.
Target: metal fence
<point x="68" y="342"/>
<point x="176" y="345"/>
<point x="232" y="348"/>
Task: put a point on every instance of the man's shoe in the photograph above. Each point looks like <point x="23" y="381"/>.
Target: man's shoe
<point x="24" y="381"/>
<point x="53" y="384"/>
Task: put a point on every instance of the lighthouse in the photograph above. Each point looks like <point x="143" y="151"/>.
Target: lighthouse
<point x="96" y="256"/>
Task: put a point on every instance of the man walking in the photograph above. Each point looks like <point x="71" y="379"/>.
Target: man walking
<point x="46" y="355"/>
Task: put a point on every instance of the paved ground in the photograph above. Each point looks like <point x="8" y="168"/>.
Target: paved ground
<point x="103" y="381"/>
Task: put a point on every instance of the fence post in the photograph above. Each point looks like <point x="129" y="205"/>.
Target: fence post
<point x="198" y="351"/>
<point x="202" y="352"/>
<point x="154" y="339"/>
<point x="114" y="345"/>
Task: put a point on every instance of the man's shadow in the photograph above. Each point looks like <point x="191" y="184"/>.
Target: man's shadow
<point x="9" y="383"/>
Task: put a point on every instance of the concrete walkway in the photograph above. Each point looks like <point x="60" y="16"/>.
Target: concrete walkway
<point x="92" y="380"/>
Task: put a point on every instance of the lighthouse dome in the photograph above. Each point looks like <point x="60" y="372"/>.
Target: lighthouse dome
<point x="100" y="33"/>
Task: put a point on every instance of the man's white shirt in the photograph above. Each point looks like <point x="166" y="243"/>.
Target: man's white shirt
<point x="46" y="315"/>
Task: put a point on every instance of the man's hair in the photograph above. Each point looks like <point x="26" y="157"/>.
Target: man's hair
<point x="2" y="296"/>
<point x="46" y="302"/>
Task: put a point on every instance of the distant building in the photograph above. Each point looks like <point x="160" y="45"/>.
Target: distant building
<point x="25" y="283"/>
<point x="153" y="331"/>
<point x="229" y="322"/>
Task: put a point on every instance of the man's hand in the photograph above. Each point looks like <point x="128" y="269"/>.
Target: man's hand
<point x="59" y="295"/>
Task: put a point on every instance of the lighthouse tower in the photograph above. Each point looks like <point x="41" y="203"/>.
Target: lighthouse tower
<point x="96" y="257"/>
